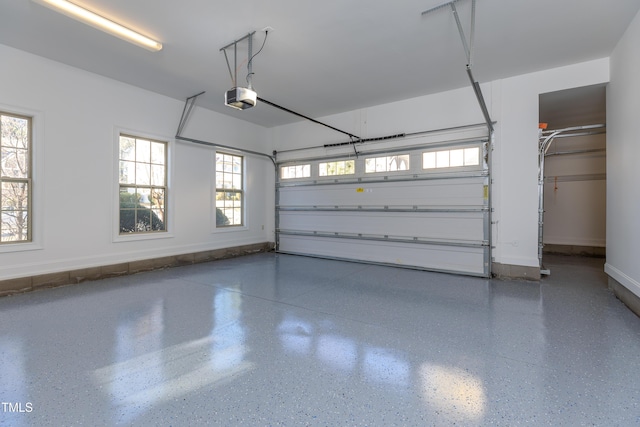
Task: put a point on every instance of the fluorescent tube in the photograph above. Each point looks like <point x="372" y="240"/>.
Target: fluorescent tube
<point x="83" y="15"/>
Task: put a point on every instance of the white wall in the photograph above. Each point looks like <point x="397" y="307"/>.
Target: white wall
<point x="77" y="117"/>
<point x="623" y="154"/>
<point x="575" y="193"/>
<point x="513" y="103"/>
<point x="516" y="161"/>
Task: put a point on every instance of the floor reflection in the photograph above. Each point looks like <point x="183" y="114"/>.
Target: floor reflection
<point x="13" y="381"/>
<point x="135" y="387"/>
<point x="454" y="393"/>
<point x="386" y="366"/>
<point x="228" y="348"/>
<point x="382" y="366"/>
<point x="146" y="373"/>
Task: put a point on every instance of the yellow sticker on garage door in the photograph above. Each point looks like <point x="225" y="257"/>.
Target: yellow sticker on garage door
<point x="359" y="190"/>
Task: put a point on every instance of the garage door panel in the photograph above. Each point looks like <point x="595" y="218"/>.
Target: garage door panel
<point x="434" y="219"/>
<point x="463" y="192"/>
<point x="439" y="225"/>
<point x="428" y="257"/>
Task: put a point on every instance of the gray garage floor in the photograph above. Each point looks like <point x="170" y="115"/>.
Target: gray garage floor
<point x="284" y="340"/>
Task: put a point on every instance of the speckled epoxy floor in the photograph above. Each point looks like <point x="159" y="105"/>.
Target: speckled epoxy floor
<point x="283" y="340"/>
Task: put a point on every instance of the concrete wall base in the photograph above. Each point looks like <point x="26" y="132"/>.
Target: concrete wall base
<point x="591" y="251"/>
<point x="629" y="299"/>
<point x="507" y="271"/>
<point x="51" y="280"/>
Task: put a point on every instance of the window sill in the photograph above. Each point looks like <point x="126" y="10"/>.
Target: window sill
<point x="133" y="237"/>
<point x="230" y="229"/>
<point x="20" y="247"/>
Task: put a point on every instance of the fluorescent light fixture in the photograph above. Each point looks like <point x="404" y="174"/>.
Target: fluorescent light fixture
<point x="83" y="15"/>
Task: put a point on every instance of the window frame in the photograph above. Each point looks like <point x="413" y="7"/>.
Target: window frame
<point x="387" y="159"/>
<point x="305" y="167"/>
<point x="118" y="236"/>
<point x="34" y="209"/>
<point x="242" y="191"/>
<point x="448" y="150"/>
<point x="336" y="165"/>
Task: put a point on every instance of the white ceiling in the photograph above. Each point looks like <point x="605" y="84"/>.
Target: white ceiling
<point x="574" y="107"/>
<point x="324" y="57"/>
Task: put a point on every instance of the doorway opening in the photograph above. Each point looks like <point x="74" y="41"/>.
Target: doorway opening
<point x="572" y="179"/>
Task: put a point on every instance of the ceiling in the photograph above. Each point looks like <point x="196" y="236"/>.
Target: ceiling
<point x="574" y="107"/>
<point x="322" y="57"/>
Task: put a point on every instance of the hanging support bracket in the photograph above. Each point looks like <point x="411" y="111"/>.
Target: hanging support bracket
<point x="468" y="50"/>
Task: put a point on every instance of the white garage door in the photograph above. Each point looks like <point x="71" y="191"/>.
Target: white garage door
<point x="423" y="207"/>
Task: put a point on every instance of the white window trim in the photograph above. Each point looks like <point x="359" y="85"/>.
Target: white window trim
<point x="37" y="180"/>
<point x="115" y="220"/>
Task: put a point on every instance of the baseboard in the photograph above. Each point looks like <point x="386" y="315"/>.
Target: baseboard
<point x="31" y="283"/>
<point x="508" y="271"/>
<point x="575" y="250"/>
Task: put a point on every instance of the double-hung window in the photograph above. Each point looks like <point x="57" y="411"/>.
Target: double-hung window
<point x="15" y="178"/>
<point x="143" y="185"/>
<point x="229" y="190"/>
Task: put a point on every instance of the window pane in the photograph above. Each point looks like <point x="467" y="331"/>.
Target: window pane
<point x="127" y="148"/>
<point x="15" y="131"/>
<point x="143" y="220"/>
<point x="442" y="159"/>
<point x="15" y="196"/>
<point x="471" y="156"/>
<point x="157" y="198"/>
<point x="157" y="175"/>
<point x="322" y="169"/>
<point x="127" y="220"/>
<point x="403" y="162"/>
<point x="392" y="163"/>
<point x="157" y="220"/>
<point x="157" y="153"/>
<point x="428" y="160"/>
<point x="143" y="151"/>
<point x="456" y="158"/>
<point x="370" y="165"/>
<point x="143" y="197"/>
<point x="350" y="167"/>
<point x="237" y="216"/>
<point x="127" y="173"/>
<point x="237" y="182"/>
<point x="381" y="164"/>
<point x="237" y="164"/>
<point x="15" y="212"/>
<point x="15" y="163"/>
<point x="128" y="198"/>
<point x="14" y="226"/>
<point x="221" y="218"/>
<point x="143" y="174"/>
